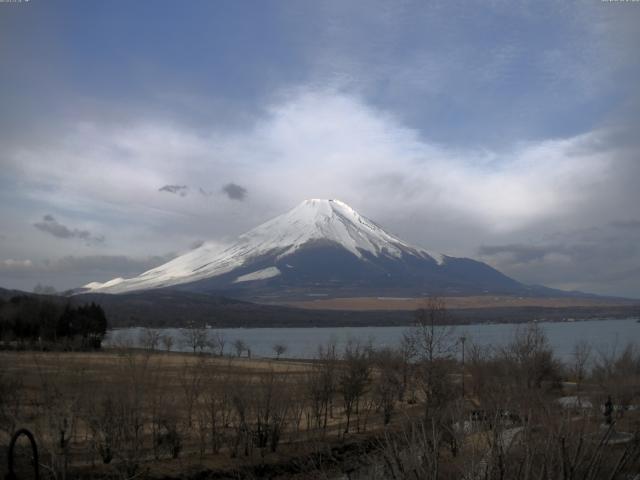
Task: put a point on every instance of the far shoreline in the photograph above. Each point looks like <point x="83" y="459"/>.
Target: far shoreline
<point x="406" y="318"/>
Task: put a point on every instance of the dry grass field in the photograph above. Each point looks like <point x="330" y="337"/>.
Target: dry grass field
<point x="259" y="405"/>
<point x="126" y="413"/>
<point x="478" y="301"/>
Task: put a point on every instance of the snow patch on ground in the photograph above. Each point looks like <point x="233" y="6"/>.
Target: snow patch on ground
<point x="263" y="274"/>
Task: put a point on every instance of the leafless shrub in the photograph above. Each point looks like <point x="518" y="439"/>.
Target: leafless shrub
<point x="167" y="342"/>
<point x="218" y="407"/>
<point x="11" y="400"/>
<point x="389" y="365"/>
<point x="191" y="381"/>
<point x="218" y="342"/>
<point x="279" y="349"/>
<point x="579" y="366"/>
<point x="149" y="339"/>
<point x="531" y="356"/>
<point x="353" y="378"/>
<point x="101" y="416"/>
<point x="240" y="347"/>
<point x="269" y="408"/>
<point x="59" y="405"/>
<point x="323" y="383"/>
<point x="195" y="337"/>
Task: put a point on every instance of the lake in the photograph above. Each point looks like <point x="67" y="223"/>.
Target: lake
<point x="604" y="335"/>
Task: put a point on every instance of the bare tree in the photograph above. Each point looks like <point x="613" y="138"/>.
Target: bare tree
<point x="432" y="337"/>
<point x="218" y="342"/>
<point x="135" y="374"/>
<point x="532" y="356"/>
<point x="168" y="438"/>
<point x="191" y="382"/>
<point x="354" y="378"/>
<point x="149" y="339"/>
<point x="434" y="343"/>
<point x="388" y="364"/>
<point x="408" y="354"/>
<point x="167" y="342"/>
<point x="195" y="337"/>
<point x="60" y="399"/>
<point x="279" y="349"/>
<point x="101" y="416"/>
<point x="218" y="403"/>
<point x="239" y="347"/>
<point x="323" y="383"/>
<point x="580" y="362"/>
<point x="268" y="409"/>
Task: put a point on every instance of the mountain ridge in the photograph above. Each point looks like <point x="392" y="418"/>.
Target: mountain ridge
<point x="321" y="247"/>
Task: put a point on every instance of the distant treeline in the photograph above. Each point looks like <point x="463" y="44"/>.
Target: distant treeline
<point x="31" y="321"/>
<point x="172" y="308"/>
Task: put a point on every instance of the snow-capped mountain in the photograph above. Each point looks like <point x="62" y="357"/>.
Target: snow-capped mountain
<point x="321" y="247"/>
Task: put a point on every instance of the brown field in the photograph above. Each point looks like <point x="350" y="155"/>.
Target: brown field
<point x="177" y="415"/>
<point x="154" y="386"/>
<point x="478" y="301"/>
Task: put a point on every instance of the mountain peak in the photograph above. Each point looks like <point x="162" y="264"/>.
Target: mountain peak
<point x="314" y="221"/>
<point x="323" y="206"/>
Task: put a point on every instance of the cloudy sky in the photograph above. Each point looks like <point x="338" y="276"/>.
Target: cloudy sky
<point x="506" y="131"/>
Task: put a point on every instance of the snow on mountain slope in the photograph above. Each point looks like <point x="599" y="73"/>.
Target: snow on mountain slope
<point x="311" y="221"/>
<point x="263" y="274"/>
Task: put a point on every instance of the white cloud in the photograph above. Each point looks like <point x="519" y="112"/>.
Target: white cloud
<point x="312" y="143"/>
<point x="15" y="265"/>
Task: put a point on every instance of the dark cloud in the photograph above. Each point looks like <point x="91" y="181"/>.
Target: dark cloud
<point x="181" y="190"/>
<point x="196" y="244"/>
<point x="184" y="190"/>
<point x="520" y="253"/>
<point x="626" y="224"/>
<point x="51" y="226"/>
<point x="603" y="259"/>
<point x="235" y="191"/>
<point x="44" y="289"/>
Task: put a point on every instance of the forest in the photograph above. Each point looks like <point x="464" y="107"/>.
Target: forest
<point x="33" y="322"/>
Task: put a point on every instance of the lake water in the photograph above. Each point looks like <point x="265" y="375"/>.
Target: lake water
<point x="604" y="335"/>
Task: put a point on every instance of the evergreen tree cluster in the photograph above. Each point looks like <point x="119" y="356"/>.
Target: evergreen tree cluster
<point x="27" y="320"/>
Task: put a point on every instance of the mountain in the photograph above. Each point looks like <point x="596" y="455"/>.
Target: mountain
<point x="320" y="248"/>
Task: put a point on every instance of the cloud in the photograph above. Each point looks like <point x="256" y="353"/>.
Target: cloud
<point x="181" y="190"/>
<point x="235" y="191"/>
<point x="520" y="253"/>
<point x="44" y="289"/>
<point x="496" y="129"/>
<point x="601" y="259"/>
<point x="88" y="264"/>
<point x="328" y="143"/>
<point x="184" y="190"/>
<point x="10" y="265"/>
<point x="73" y="271"/>
<point x="51" y="226"/>
<point x="626" y="224"/>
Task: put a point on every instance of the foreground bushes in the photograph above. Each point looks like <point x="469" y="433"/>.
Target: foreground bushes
<point x="407" y="405"/>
